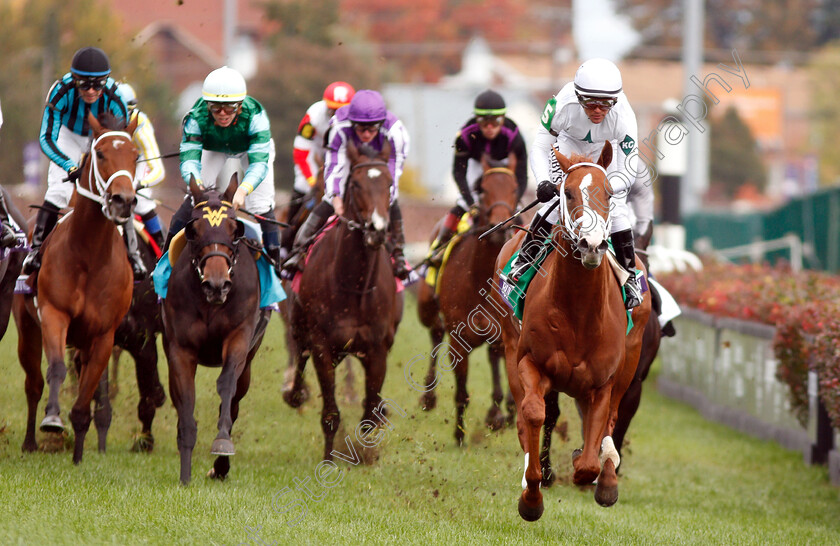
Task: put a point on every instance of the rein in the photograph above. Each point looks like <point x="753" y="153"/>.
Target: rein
<point x="214" y="218"/>
<point x="102" y="185"/>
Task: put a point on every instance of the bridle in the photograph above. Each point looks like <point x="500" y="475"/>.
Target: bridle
<point x="215" y="216"/>
<point x="355" y="225"/>
<point x="573" y="228"/>
<point x="102" y="185"/>
<point x="489" y="208"/>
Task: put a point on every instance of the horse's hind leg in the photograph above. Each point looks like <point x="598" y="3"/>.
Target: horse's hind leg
<point x="374" y="364"/>
<point x="29" y="354"/>
<point x="152" y="395"/>
<point x="54" y="336"/>
<point x="330" y="416"/>
<point x="495" y="419"/>
<point x="295" y="391"/>
<point x="462" y="398"/>
<point x="102" y="410"/>
<point x="428" y="310"/>
<point x="552" y="412"/>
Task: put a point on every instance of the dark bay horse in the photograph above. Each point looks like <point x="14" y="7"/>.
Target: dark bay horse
<point x="573" y="338"/>
<point x="84" y="286"/>
<point x="348" y="303"/>
<point x="459" y="308"/>
<point x="11" y="260"/>
<point x="211" y="316"/>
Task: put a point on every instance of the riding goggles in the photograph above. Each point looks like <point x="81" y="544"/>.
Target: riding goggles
<point x="226" y="107"/>
<point x="490" y="120"/>
<point x="596" y="102"/>
<point x="367" y="127"/>
<point x="97" y="84"/>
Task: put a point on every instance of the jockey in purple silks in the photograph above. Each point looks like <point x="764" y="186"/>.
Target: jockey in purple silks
<point x="368" y="124"/>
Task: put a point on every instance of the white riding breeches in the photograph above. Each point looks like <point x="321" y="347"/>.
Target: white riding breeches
<point x="218" y="167"/>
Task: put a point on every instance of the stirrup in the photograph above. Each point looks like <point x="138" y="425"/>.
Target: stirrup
<point x="32" y="262"/>
<point x="633" y="293"/>
<point x="138" y="268"/>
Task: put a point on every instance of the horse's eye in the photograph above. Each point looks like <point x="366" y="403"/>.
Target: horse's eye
<point x="568" y="194"/>
<point x="100" y="155"/>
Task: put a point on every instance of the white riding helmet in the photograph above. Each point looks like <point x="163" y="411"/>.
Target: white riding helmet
<point x="128" y="95"/>
<point x="224" y="85"/>
<point x="598" y="78"/>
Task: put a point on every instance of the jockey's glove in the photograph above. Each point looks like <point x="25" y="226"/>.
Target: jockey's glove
<point x="546" y="191"/>
<point x="239" y="197"/>
<point x="311" y="181"/>
<point x="474" y="210"/>
<point x="73" y="175"/>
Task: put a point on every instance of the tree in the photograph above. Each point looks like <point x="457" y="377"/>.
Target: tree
<point x="300" y="61"/>
<point x="825" y="110"/>
<point x="733" y="154"/>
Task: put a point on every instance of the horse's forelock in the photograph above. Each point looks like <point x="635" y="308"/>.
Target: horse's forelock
<point x="579" y="158"/>
<point x="112" y="122"/>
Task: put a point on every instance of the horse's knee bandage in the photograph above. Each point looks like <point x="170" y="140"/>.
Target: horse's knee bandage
<point x="608" y="451"/>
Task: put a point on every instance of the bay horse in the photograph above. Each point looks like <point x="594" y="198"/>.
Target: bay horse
<point x="347" y="302"/>
<point x="84" y="286"/>
<point x="211" y="316"/>
<point x="573" y="336"/>
<point x="459" y="308"/>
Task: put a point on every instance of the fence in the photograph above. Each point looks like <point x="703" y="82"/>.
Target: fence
<point x="727" y="370"/>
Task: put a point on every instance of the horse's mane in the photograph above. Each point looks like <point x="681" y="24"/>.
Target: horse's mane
<point x="110" y="121"/>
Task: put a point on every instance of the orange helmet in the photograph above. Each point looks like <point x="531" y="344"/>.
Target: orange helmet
<point x="338" y="94"/>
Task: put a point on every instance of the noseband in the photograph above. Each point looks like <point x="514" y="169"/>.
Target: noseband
<point x="489" y="208"/>
<point x="102" y="185"/>
<point x="572" y="228"/>
<point x="214" y="216"/>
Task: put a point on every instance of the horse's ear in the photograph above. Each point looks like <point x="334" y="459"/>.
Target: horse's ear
<point x="189" y="230"/>
<point x="385" y="154"/>
<point x="231" y="189"/>
<point x="606" y="155"/>
<point x="195" y="189"/>
<point x="132" y="124"/>
<point x="94" y="124"/>
<point x="564" y="161"/>
<point x="352" y="152"/>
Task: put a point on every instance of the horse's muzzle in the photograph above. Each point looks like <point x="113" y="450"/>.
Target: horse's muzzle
<point x="120" y="207"/>
<point x="590" y="256"/>
<point x="216" y="291"/>
<point x="374" y="238"/>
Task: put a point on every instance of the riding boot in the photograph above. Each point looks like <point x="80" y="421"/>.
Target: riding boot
<point x="401" y="268"/>
<point x="314" y="222"/>
<point x="8" y="238"/>
<point x="179" y="220"/>
<point x="138" y="268"/>
<point x="294" y="206"/>
<point x="624" y="251"/>
<point x="154" y="227"/>
<point x="531" y="247"/>
<point x="44" y="223"/>
<point x="271" y="239"/>
<point x="157" y="237"/>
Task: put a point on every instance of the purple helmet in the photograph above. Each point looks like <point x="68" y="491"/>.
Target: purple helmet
<point x="367" y="106"/>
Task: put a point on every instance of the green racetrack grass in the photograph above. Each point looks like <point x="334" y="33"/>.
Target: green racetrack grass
<point x="684" y="480"/>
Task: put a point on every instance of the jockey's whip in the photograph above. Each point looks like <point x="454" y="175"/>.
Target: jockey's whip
<point x="164" y="156"/>
<point x="265" y="218"/>
<point x="501" y="224"/>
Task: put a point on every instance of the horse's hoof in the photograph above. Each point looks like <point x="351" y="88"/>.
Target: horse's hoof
<point x="213" y="476"/>
<point x="143" y="443"/>
<point x="548" y="478"/>
<point x="222" y="446"/>
<point x="294" y="398"/>
<point x="29" y="447"/>
<point x="529" y="513"/>
<point x="52" y="423"/>
<point x="428" y="401"/>
<point x="606" y="495"/>
<point x="495" y="421"/>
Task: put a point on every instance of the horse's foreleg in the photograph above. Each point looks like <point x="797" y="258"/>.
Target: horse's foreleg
<point x="94" y="362"/>
<point x="182" y="366"/>
<point x="295" y="390"/>
<point x="495" y="419"/>
<point x="552" y="412"/>
<point x="594" y="415"/>
<point x="29" y="354"/>
<point x="462" y="397"/>
<point x="532" y="411"/>
<point x="428" y="400"/>
<point x="330" y="416"/>
<point x="102" y="410"/>
<point x="236" y="355"/>
<point x="221" y="466"/>
<point x="54" y="335"/>
<point x="152" y="395"/>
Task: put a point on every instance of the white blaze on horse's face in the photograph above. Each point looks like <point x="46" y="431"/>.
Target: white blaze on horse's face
<point x="593" y="229"/>
<point x="373" y="172"/>
<point x="379" y="222"/>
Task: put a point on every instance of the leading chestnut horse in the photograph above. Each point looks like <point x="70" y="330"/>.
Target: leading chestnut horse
<point x="348" y="303"/>
<point x="459" y="308"/>
<point x="84" y="285"/>
<point x="573" y="337"/>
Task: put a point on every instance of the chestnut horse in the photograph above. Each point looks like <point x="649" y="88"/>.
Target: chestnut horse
<point x="573" y="337"/>
<point x="460" y="286"/>
<point x="348" y="303"/>
<point x="211" y="316"/>
<point x="84" y="285"/>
